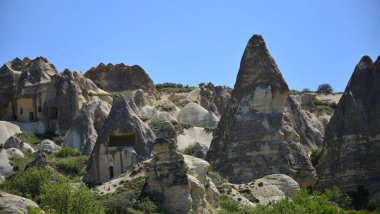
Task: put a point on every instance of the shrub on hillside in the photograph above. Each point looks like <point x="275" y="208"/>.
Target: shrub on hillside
<point x="63" y="198"/>
<point x="67" y="152"/>
<point x="27" y="183"/>
<point x="325" y="88"/>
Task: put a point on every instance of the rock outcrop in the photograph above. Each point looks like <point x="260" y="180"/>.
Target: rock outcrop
<point x="39" y="160"/>
<point x="86" y="126"/>
<point x="14" y="142"/>
<point x="351" y="151"/>
<point x="264" y="191"/>
<point x="180" y="184"/>
<point x="9" y="74"/>
<point x="7" y="130"/>
<point x="15" y="204"/>
<point x="123" y="141"/>
<point x="214" y="98"/>
<point x="306" y="124"/>
<point x="252" y="139"/>
<point x="121" y="77"/>
<point x="72" y="91"/>
<point x="196" y="115"/>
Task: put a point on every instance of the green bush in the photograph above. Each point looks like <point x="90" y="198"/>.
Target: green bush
<point x="325" y="88"/>
<point x="67" y="152"/>
<point x="315" y="156"/>
<point x="62" y="198"/>
<point x="70" y="166"/>
<point x="230" y="206"/>
<point x="27" y="184"/>
<point x="371" y="205"/>
<point x="303" y="202"/>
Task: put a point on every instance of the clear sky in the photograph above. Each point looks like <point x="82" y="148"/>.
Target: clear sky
<point x="189" y="42"/>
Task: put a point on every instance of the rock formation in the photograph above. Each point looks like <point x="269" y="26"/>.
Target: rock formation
<point x="72" y="91"/>
<point x="351" y="157"/>
<point x="214" y="98"/>
<point x="15" y="204"/>
<point x="265" y="191"/>
<point x="252" y="140"/>
<point x="7" y="130"/>
<point x="14" y="142"/>
<point x="39" y="160"/>
<point x="86" y="126"/>
<point x="123" y="141"/>
<point x="196" y="115"/>
<point x="306" y="124"/>
<point x="120" y="77"/>
<point x="24" y="84"/>
<point x="179" y="184"/>
<point x="9" y="74"/>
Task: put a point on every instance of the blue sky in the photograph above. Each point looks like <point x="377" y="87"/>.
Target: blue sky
<point x="189" y="42"/>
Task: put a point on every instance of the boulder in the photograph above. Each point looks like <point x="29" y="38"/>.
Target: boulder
<point x="39" y="160"/>
<point x="15" y="204"/>
<point x="7" y="130"/>
<point x="48" y="146"/>
<point x="179" y="183"/>
<point x="351" y="147"/>
<point x="253" y="138"/>
<point x="121" y="77"/>
<point x="14" y="142"/>
<point x="196" y="115"/>
<point x="123" y="141"/>
<point x="6" y="168"/>
<point x="14" y="153"/>
<point x="86" y="126"/>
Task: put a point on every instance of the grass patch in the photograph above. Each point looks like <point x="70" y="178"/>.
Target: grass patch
<point x="173" y="88"/>
<point x="69" y="166"/>
<point x="67" y="152"/>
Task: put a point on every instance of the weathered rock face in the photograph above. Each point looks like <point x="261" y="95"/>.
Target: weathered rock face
<point x="24" y="82"/>
<point x="86" y="126"/>
<point x="14" y="142"/>
<point x="213" y="98"/>
<point x="304" y="123"/>
<point x="265" y="191"/>
<point x="9" y="74"/>
<point x="179" y="183"/>
<point x="252" y="139"/>
<point x="15" y="204"/>
<point x="196" y="115"/>
<point x="37" y="71"/>
<point x="39" y="160"/>
<point x="120" y="77"/>
<point x="123" y="141"/>
<point x="350" y="155"/>
<point x="66" y="95"/>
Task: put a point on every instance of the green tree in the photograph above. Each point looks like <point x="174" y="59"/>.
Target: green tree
<point x="325" y="88"/>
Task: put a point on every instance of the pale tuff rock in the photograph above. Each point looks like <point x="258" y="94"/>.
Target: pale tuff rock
<point x="350" y="157"/>
<point x="253" y="138"/>
<point x="265" y="191"/>
<point x="48" y="146"/>
<point x="196" y="115"/>
<point x="194" y="135"/>
<point x="14" y="142"/>
<point x="86" y="126"/>
<point x="214" y="98"/>
<point x="179" y="182"/>
<point x="123" y="141"/>
<point x="7" y="130"/>
<point x="14" y="153"/>
<point x="15" y="204"/>
<point x="121" y="77"/>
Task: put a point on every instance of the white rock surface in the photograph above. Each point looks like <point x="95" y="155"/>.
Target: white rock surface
<point x="196" y="115"/>
<point x="15" y="153"/>
<point x="192" y="135"/>
<point x="7" y="130"/>
<point x="6" y="168"/>
<point x="48" y="145"/>
<point x="14" y="204"/>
